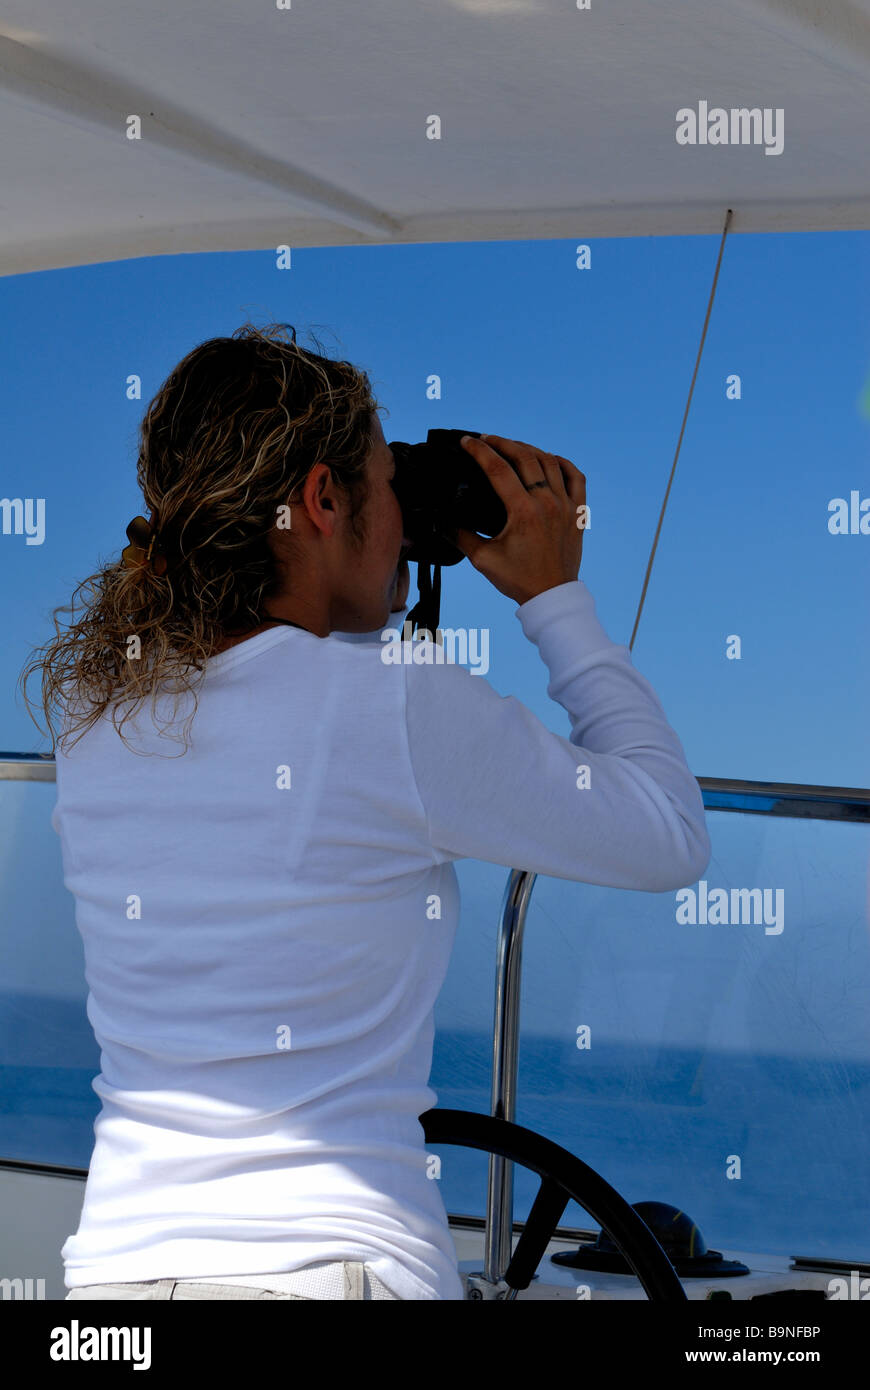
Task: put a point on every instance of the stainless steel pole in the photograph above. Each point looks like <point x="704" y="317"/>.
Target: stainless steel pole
<point x="505" y="1059"/>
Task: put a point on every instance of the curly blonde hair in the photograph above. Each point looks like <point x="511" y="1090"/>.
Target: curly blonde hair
<point x="231" y="434"/>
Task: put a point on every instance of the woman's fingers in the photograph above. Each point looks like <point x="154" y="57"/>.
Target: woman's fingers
<point x="575" y="481"/>
<point x="503" y="478"/>
<point x="541" y="544"/>
<point x="532" y="464"/>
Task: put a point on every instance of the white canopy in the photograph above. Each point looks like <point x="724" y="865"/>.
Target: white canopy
<point x="307" y="125"/>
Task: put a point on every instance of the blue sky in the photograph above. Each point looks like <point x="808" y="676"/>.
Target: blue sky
<point x="593" y="364"/>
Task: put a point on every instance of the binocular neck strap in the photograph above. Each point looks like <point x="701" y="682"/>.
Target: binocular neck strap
<point x="424" y="616"/>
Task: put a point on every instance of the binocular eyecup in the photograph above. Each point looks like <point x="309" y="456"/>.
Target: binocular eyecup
<point x="441" y="488"/>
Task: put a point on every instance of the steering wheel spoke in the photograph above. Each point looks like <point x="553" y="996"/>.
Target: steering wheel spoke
<point x="564" y="1178"/>
<point x="544" y="1217"/>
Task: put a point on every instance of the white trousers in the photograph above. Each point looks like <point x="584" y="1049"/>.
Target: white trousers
<point x="327" y="1279"/>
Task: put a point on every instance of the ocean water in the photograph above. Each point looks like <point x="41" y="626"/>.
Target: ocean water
<point x="658" y="1123"/>
<point x="709" y="1044"/>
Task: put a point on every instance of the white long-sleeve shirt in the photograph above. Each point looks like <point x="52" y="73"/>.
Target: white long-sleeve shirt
<point x="268" y="917"/>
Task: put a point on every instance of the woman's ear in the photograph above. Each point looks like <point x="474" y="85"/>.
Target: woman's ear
<point x="320" y="499"/>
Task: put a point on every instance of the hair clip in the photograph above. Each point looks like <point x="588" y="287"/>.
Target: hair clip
<point x="144" y="551"/>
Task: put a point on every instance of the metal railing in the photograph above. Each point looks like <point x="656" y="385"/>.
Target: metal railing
<point x="779" y="799"/>
<point x="27" y="767"/>
<point x="791" y="799"/>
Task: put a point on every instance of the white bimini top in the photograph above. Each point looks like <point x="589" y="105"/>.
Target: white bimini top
<point x="268" y="917"/>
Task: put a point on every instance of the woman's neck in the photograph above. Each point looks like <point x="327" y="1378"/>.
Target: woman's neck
<point x="233" y="641"/>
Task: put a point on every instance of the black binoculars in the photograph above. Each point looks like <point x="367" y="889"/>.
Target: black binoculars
<point x="441" y="487"/>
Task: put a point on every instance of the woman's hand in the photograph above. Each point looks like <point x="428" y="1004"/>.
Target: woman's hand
<point x="541" y="544"/>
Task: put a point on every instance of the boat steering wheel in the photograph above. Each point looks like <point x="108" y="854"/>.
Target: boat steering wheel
<point x="563" y="1178"/>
